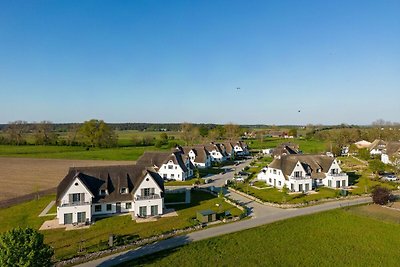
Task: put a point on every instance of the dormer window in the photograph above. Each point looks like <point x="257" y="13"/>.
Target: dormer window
<point x="123" y="190"/>
<point x="318" y="170"/>
<point x="103" y="192"/>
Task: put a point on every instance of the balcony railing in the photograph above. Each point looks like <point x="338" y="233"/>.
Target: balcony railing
<point x="300" y="177"/>
<point x="155" y="196"/>
<point x="338" y="174"/>
<point x="70" y="204"/>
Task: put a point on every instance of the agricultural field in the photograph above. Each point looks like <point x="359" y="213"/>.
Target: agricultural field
<point x="333" y="238"/>
<point x="74" y="152"/>
<point x="67" y="243"/>
<point x="21" y="176"/>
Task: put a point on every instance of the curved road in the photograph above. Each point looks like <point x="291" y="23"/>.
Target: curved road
<point x="260" y="215"/>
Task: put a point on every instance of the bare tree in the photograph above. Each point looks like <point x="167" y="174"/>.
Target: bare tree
<point x="232" y="131"/>
<point x="15" y="132"/>
<point x="43" y="133"/>
<point x="190" y="133"/>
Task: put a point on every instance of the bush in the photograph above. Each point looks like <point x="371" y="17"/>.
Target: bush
<point x="24" y="247"/>
<point x="381" y="195"/>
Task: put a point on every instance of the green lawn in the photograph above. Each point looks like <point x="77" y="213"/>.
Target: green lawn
<point x="74" y="152"/>
<point x="307" y="146"/>
<point x="187" y="182"/>
<point x="333" y="238"/>
<point x="275" y="196"/>
<point x="67" y="243"/>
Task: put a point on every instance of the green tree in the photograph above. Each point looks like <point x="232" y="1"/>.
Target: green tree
<point x="24" y="247"/>
<point x="376" y="166"/>
<point x="43" y="133"/>
<point x="97" y="133"/>
<point x="293" y="132"/>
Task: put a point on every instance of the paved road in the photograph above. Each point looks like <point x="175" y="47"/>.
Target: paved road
<point x="258" y="219"/>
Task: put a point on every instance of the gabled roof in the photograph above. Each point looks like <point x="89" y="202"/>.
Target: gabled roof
<point x="363" y="144"/>
<point x="229" y="147"/>
<point x="199" y="150"/>
<point x="110" y="178"/>
<point x="152" y="158"/>
<point x="310" y="163"/>
<point x="377" y="143"/>
<point x="286" y="149"/>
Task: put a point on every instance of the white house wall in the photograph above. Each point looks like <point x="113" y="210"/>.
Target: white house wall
<point x="176" y="171"/>
<point x="74" y="210"/>
<point x="77" y="187"/>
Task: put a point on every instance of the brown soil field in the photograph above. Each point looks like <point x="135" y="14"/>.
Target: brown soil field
<point x="22" y="176"/>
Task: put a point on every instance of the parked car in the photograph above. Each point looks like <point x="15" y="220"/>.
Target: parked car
<point x="390" y="177"/>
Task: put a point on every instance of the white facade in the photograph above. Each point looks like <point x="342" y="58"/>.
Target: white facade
<point x="148" y="204"/>
<point x="240" y="150"/>
<point x="217" y="156"/>
<point x="173" y="171"/>
<point x="196" y="163"/>
<point x="300" y="181"/>
<point x="76" y="204"/>
<point x="335" y="178"/>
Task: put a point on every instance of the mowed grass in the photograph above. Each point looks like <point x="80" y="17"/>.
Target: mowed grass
<point x="276" y="196"/>
<point x="333" y="238"/>
<point x="74" y="152"/>
<point x="68" y="243"/>
<point x="306" y="145"/>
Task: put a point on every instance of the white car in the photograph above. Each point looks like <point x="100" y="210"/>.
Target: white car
<point x="390" y="177"/>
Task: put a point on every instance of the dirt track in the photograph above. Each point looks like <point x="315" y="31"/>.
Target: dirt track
<point x="22" y="176"/>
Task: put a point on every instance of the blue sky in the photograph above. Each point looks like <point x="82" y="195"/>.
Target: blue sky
<point x="175" y="61"/>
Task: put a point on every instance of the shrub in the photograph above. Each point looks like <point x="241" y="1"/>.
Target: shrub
<point x="381" y="195"/>
<point x="24" y="247"/>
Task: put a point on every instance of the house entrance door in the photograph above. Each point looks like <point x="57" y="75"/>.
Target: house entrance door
<point x="118" y="207"/>
<point x="68" y="218"/>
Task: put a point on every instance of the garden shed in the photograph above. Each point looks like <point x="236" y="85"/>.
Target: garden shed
<point x="206" y="216"/>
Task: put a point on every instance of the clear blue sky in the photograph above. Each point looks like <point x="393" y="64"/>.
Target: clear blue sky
<point x="175" y="61"/>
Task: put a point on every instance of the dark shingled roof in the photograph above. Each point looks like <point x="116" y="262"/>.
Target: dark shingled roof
<point x="159" y="158"/>
<point x="199" y="150"/>
<point x="311" y="163"/>
<point x="153" y="158"/>
<point x="286" y="148"/>
<point x="112" y="178"/>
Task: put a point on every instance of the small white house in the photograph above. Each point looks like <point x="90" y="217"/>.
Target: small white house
<point x="392" y="153"/>
<point x="217" y="152"/>
<point x="301" y="173"/>
<point x="241" y="148"/>
<point x="170" y="165"/>
<point x="378" y="147"/>
<point x="176" y="167"/>
<point x="88" y="192"/>
<point x="198" y="155"/>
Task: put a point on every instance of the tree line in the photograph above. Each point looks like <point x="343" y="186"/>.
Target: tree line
<point x="92" y="133"/>
<point x="97" y="133"/>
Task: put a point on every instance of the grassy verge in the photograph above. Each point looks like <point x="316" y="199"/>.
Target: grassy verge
<point x="332" y="238"/>
<point x="68" y="243"/>
<point x="274" y="195"/>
